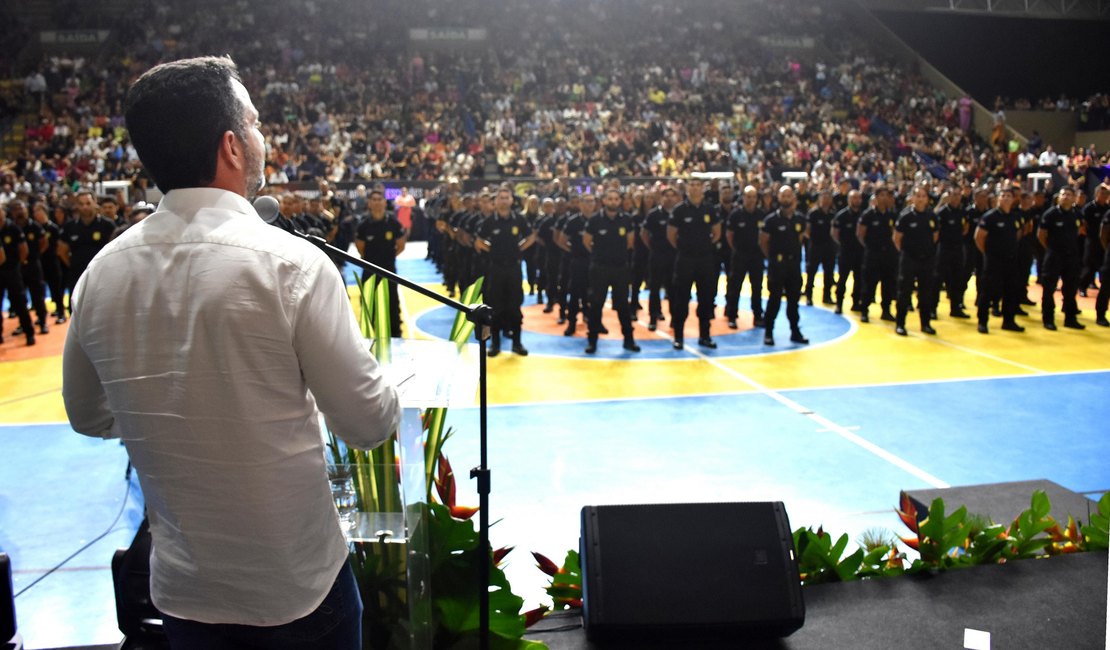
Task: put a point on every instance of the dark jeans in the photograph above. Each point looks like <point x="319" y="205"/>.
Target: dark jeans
<point x="335" y="625"/>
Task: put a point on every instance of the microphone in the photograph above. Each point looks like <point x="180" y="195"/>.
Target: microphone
<point x="267" y="208"/>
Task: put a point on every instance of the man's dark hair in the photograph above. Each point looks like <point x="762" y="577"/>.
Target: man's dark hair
<point x="176" y="114"/>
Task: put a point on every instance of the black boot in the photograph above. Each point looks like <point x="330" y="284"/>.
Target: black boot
<point x="630" y="344"/>
<point x="591" y="344"/>
<point x="517" y="347"/>
<point x="494" y="344"/>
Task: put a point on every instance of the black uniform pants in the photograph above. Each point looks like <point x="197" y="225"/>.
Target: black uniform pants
<point x="694" y="272"/>
<point x="823" y="255"/>
<point x="783" y="278"/>
<point x="1065" y="270"/>
<point x="531" y="267"/>
<point x="552" y="283"/>
<point x="12" y="283"/>
<point x="973" y="264"/>
<point x="879" y="266"/>
<point x="744" y="265"/>
<point x="1001" y="282"/>
<point x="33" y="281"/>
<point x="52" y="274"/>
<point x="603" y="278"/>
<point x="638" y="277"/>
<point x="1103" y="300"/>
<point x="913" y="271"/>
<point x="660" y="277"/>
<point x="503" y="293"/>
<point x="849" y="263"/>
<point x="950" y="269"/>
<point x="451" y="266"/>
<point x="577" y="288"/>
<point x="1093" y="252"/>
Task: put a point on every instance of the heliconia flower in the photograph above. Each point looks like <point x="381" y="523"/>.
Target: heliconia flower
<point x="462" y="512"/>
<point x="912" y="542"/>
<point x="574" y="602"/>
<point x="545" y="565"/>
<point x="533" y="616"/>
<point x="907" y="512"/>
<point x="500" y="554"/>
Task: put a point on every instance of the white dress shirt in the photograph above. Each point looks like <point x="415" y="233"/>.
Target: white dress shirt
<point x="205" y="340"/>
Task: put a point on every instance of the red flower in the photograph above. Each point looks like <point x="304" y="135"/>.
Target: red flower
<point x="534" y="616"/>
<point x="545" y="565"/>
<point x="500" y="554"/>
<point x="462" y="512"/>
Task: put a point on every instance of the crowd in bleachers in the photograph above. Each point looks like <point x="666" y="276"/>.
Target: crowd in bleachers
<point x="1093" y="112"/>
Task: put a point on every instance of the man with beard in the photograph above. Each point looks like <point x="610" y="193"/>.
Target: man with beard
<point x="820" y="247"/>
<point x="660" y="253"/>
<point x="781" y="242"/>
<point x="609" y="237"/>
<point x="742" y="229"/>
<point x="504" y="237"/>
<point x="850" y="257"/>
<point x="1061" y="227"/>
<point x="915" y="237"/>
<point x="694" y="230"/>
<point x="209" y="343"/>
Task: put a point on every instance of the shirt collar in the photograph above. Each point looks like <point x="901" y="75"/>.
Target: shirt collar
<point x="190" y="200"/>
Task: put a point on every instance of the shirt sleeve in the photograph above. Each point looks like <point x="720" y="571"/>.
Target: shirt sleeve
<point x="85" y="401"/>
<point x="358" y="403"/>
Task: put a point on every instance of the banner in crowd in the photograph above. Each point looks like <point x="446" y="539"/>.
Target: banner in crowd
<point x="73" y="36"/>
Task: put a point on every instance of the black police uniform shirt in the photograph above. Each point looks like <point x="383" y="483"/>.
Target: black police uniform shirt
<point x="917" y="230"/>
<point x="610" y="238"/>
<point x="52" y="232"/>
<point x="656" y="226"/>
<point x="572" y="230"/>
<point x="1106" y="224"/>
<point x="951" y="222"/>
<point x="819" y="222"/>
<point x="695" y="228"/>
<point x="11" y="236"/>
<point x="35" y="235"/>
<point x="379" y="238"/>
<point x="1063" y="231"/>
<point x="504" y="235"/>
<point x="1002" y="232"/>
<point x="545" y="231"/>
<point x="745" y="227"/>
<point x="845" y="222"/>
<point x="85" y="241"/>
<point x="880" y="227"/>
<point x="785" y="236"/>
<point x="1092" y="215"/>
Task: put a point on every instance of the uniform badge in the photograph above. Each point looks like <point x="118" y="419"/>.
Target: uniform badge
<point x="96" y="236"/>
<point x="778" y="258"/>
<point x="798" y="227"/>
<point x="388" y="236"/>
<point x="688" y="220"/>
<point x="759" y="224"/>
<point x="31" y="237"/>
<point x="932" y="224"/>
<point x="1017" y="226"/>
<point x="621" y="231"/>
<point x="603" y="231"/>
<point x="708" y="219"/>
<point x="7" y="240"/>
<point x="890" y="223"/>
<point x="516" y="231"/>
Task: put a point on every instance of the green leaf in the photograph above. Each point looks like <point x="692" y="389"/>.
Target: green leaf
<point x="846" y="570"/>
<point x="1040" y="504"/>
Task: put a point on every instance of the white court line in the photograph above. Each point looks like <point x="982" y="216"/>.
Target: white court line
<point x="826" y="423"/>
<point x="985" y="355"/>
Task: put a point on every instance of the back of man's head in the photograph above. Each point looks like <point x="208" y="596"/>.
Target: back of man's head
<point x="176" y="115"/>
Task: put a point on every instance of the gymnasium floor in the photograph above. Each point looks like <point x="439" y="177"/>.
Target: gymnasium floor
<point x="834" y="430"/>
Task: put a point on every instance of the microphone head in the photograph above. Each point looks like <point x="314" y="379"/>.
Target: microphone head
<point x="267" y="208"/>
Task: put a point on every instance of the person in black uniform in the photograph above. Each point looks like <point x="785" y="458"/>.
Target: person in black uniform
<point x="915" y="237"/>
<point x="880" y="259"/>
<point x="82" y="239"/>
<point x="380" y="238"/>
<point x="562" y="214"/>
<point x="781" y="241"/>
<point x="51" y="267"/>
<point x="532" y="263"/>
<point x="609" y="237"/>
<point x="820" y="247"/>
<point x="479" y="264"/>
<point x="1061" y="227"/>
<point x="14" y="245"/>
<point x="742" y="229"/>
<point x="636" y="204"/>
<point x="973" y="259"/>
<point x="694" y="230"/>
<point x="1103" y="300"/>
<point x="950" y="264"/>
<point x="660" y="253"/>
<point x="1093" y="250"/>
<point x="447" y="247"/>
<point x="578" y="270"/>
<point x="31" y="269"/>
<point x="850" y="256"/>
<point x="996" y="236"/>
<point x="503" y="238"/>
<point x="725" y="205"/>
<point x="1027" y="244"/>
<point x="551" y="255"/>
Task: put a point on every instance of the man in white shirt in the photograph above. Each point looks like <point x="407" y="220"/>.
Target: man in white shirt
<point x="207" y="341"/>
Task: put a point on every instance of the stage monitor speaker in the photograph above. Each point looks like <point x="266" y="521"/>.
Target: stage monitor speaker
<point x="7" y="599"/>
<point x="702" y="570"/>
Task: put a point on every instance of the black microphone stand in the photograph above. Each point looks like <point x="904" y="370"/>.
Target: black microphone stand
<point x="482" y="317"/>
